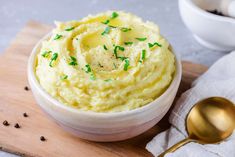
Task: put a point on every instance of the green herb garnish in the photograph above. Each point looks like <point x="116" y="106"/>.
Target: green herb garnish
<point x="106" y="31"/>
<point x="105" y="47"/>
<point x="128" y="43"/>
<point x="107" y="80"/>
<point x="142" y="56"/>
<point x="69" y="29"/>
<point x="88" y="68"/>
<point x="154" y="44"/>
<point x="73" y="61"/>
<point x="141" y="39"/>
<point x="124" y="29"/>
<point x="92" y="76"/>
<point x="106" y="22"/>
<point x="115" y="67"/>
<point x="114" y="15"/>
<point x="53" y="58"/>
<point x="64" y="77"/>
<point x="122" y="58"/>
<point x="46" y="53"/>
<point x="116" y="48"/>
<point x="126" y="65"/>
<point x="58" y="36"/>
<point x="112" y="26"/>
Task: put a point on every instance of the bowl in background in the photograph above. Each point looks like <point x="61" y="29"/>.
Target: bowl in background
<point x="213" y="31"/>
<point x="102" y="126"/>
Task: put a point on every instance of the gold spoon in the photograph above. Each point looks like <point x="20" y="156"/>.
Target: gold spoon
<point x="211" y="120"/>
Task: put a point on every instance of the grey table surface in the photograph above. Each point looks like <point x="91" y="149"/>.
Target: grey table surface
<point x="14" y="14"/>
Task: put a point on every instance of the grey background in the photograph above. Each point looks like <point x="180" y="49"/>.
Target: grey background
<point x="15" y="13"/>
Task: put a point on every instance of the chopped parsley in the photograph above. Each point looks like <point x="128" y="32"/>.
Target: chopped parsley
<point x="64" y="77"/>
<point x="128" y="43"/>
<point x="69" y="29"/>
<point x="105" y="47"/>
<point x="92" y="76"/>
<point x="106" y="31"/>
<point x="124" y="29"/>
<point x="88" y="68"/>
<point x="108" y="80"/>
<point x="122" y="58"/>
<point x="142" y="56"/>
<point x="73" y="61"/>
<point x="116" y="48"/>
<point x="115" y="67"/>
<point x="154" y="44"/>
<point x="112" y="26"/>
<point x="114" y="15"/>
<point x="53" y="58"/>
<point x="46" y="53"/>
<point x="126" y="65"/>
<point x="141" y="39"/>
<point x="58" y="36"/>
<point x="106" y="22"/>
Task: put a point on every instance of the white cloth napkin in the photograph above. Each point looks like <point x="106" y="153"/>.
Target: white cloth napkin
<point x="219" y="80"/>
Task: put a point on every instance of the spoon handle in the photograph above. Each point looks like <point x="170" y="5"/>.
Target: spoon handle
<point x="176" y="146"/>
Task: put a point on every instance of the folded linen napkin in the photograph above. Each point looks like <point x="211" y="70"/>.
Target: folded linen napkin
<point x="219" y="80"/>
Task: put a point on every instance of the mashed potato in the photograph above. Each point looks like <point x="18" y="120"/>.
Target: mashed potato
<point x="110" y="62"/>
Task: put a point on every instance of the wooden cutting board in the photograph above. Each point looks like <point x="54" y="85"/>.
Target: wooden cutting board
<point x="14" y="101"/>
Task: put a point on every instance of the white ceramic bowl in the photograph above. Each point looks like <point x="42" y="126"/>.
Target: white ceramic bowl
<point x="103" y="126"/>
<point x="213" y="31"/>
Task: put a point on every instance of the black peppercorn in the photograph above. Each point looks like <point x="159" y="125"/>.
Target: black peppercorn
<point x="42" y="138"/>
<point x="26" y="88"/>
<point x="17" y="126"/>
<point x="25" y="114"/>
<point x="5" y="123"/>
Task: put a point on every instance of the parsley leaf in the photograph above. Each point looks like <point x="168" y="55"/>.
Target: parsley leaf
<point x="69" y="29"/>
<point x="64" y="77"/>
<point x="58" y="36"/>
<point x="116" y="48"/>
<point x="73" y="61"/>
<point x="105" y="47"/>
<point x="128" y="43"/>
<point x="126" y="65"/>
<point x="108" y="80"/>
<point x="106" y="22"/>
<point x="106" y="31"/>
<point x="154" y="44"/>
<point x="114" y="15"/>
<point x="142" y="56"/>
<point x="88" y="68"/>
<point x="53" y="58"/>
<point x="124" y="29"/>
<point x="114" y="65"/>
<point x="141" y="39"/>
<point x="46" y="53"/>
<point x="92" y="76"/>
<point x="122" y="58"/>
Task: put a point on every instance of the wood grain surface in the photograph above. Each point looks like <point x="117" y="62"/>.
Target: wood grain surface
<point x="14" y="101"/>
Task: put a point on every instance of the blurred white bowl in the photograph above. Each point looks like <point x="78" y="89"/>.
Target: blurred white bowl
<point x="102" y="126"/>
<point x="213" y="31"/>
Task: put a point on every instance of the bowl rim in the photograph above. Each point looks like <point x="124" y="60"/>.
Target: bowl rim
<point x="204" y="13"/>
<point x="32" y="79"/>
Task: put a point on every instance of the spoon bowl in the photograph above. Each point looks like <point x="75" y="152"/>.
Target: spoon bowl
<point x="211" y="120"/>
